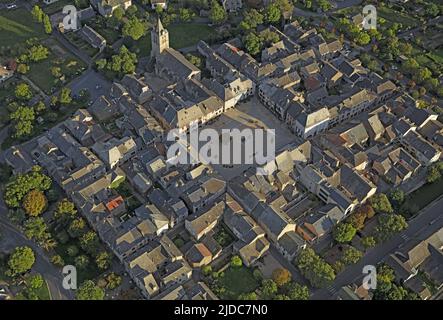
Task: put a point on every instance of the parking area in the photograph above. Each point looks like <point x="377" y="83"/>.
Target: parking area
<point x="92" y="81"/>
<point x="251" y="114"/>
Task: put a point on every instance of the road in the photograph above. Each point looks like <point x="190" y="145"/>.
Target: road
<point x="419" y="229"/>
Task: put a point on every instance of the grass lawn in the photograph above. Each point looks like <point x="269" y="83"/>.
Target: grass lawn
<point x="426" y="194"/>
<point x="40" y="72"/>
<point x="392" y="16"/>
<point x="437" y="56"/>
<point x="58" y="6"/>
<point x="17" y="26"/>
<point x="237" y="281"/>
<point x="188" y="34"/>
<point x="141" y="47"/>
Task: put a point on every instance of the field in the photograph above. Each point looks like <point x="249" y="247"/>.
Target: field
<point x="392" y="16"/>
<point x="188" y="34"/>
<point x="426" y="194"/>
<point x="40" y="73"/>
<point x="16" y="27"/>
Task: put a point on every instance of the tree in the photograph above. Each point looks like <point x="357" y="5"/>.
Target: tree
<point x="217" y="14"/>
<point x="207" y="270"/>
<point x="396" y="197"/>
<point x="118" y="13"/>
<point x="37" y="53"/>
<point x="72" y="251"/>
<point x="368" y="242"/>
<point x="23" y="119"/>
<point x="57" y="260"/>
<point x="22" y="68"/>
<point x="357" y="220"/>
<point x="77" y="227"/>
<point x="248" y="296"/>
<point x="101" y="64"/>
<point x="269" y="37"/>
<point x="34" y="203"/>
<point x="40" y="107"/>
<point x="314" y="268"/>
<point x="236" y="262"/>
<point x="380" y="203"/>
<point x="21" y="260"/>
<point x="47" y="24"/>
<point x="113" y="281"/>
<point x="281" y="297"/>
<point x="124" y="62"/>
<point x="89" y="291"/>
<point x="272" y="13"/>
<point x="23" y="91"/>
<point x="281" y="276"/>
<point x="134" y="28"/>
<point x="432" y="9"/>
<point x="132" y="10"/>
<point x="65" y="96"/>
<point x="351" y="255"/>
<point x="37" y="14"/>
<point x="324" y="5"/>
<point x="36" y="228"/>
<point x="253" y="43"/>
<point x="56" y="72"/>
<point x="362" y="38"/>
<point x="433" y="174"/>
<point x="20" y="185"/>
<point x="186" y="15"/>
<point x="344" y="232"/>
<point x="89" y="242"/>
<point x="252" y="18"/>
<point x="81" y="261"/>
<point x="103" y="260"/>
<point x="196" y="61"/>
<point x="268" y="288"/>
<point x="284" y="5"/>
<point x="65" y="208"/>
<point x="298" y="292"/>
<point x="34" y="281"/>
<point x="388" y="225"/>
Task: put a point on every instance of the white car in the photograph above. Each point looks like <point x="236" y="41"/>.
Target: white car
<point x="11" y="6"/>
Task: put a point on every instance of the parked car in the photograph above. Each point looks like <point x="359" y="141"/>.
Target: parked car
<point x="11" y="6"/>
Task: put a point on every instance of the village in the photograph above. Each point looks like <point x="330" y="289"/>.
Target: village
<point x="357" y="165"/>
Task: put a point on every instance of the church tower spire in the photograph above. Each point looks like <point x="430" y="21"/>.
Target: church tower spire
<point x="159" y="39"/>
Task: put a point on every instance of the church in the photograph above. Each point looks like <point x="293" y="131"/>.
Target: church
<point x="168" y="62"/>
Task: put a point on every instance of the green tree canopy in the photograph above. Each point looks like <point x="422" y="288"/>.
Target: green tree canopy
<point x="134" y="28"/>
<point x="388" y="225"/>
<point x="23" y="91"/>
<point x="34" y="203"/>
<point x="217" y="14"/>
<point x="344" y="232"/>
<point x="21" y="260"/>
<point x="89" y="291"/>
<point x="298" y="292"/>
<point x="380" y="203"/>
<point x="314" y="268"/>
